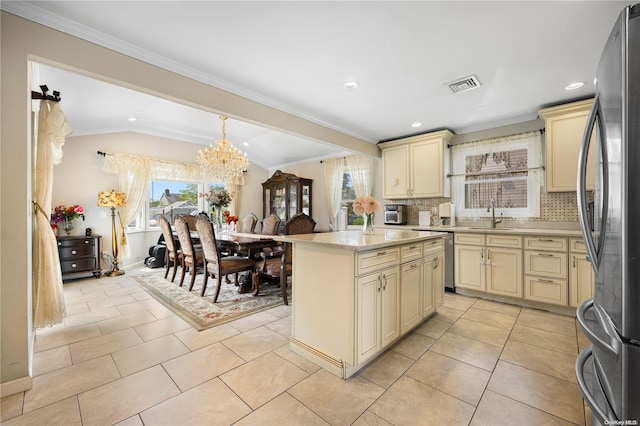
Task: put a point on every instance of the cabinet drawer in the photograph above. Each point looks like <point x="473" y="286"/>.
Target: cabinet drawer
<point x="470" y="239"/>
<point x="433" y="246"/>
<point x="545" y="243"/>
<point x="502" y="240"/>
<point x="76" y="242"/>
<point x="410" y="252"/>
<point x="78" y="251"/>
<point x="547" y="264"/>
<point x="81" y="264"/>
<point x="577" y="245"/>
<point x="546" y="290"/>
<point x="375" y="260"/>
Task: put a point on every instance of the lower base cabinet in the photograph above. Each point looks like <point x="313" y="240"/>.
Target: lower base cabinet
<point x="581" y="277"/>
<point x="378" y="311"/>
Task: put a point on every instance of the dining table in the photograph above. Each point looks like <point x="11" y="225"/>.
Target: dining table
<point x="250" y="245"/>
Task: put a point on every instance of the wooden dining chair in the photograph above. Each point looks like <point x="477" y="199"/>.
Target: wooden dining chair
<point x="249" y="223"/>
<point x="270" y="225"/>
<point x="192" y="258"/>
<point x="174" y="254"/>
<point x="281" y="266"/>
<point x="217" y="266"/>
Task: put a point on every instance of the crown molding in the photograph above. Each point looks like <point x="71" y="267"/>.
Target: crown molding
<point x="67" y="26"/>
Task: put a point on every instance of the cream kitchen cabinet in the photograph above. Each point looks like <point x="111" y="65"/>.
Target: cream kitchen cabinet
<point x="433" y="294"/>
<point x="422" y="288"/>
<point x="469" y="261"/>
<point x="416" y="167"/>
<point x="581" y="278"/>
<point x="378" y="310"/>
<point x="564" y="128"/>
<point x="490" y="263"/>
<point x="412" y="282"/>
<point x="545" y="268"/>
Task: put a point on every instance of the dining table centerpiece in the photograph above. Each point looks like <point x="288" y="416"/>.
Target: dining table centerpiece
<point x="218" y="198"/>
<point x="366" y="206"/>
<point x="65" y="215"/>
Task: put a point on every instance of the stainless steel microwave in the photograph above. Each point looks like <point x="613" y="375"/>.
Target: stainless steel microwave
<point x="395" y="214"/>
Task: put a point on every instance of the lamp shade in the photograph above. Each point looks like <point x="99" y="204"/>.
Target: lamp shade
<point x="112" y="199"/>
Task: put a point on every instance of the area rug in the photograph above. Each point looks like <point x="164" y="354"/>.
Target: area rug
<point x="200" y="312"/>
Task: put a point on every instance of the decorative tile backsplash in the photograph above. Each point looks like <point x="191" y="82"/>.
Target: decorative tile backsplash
<point x="554" y="207"/>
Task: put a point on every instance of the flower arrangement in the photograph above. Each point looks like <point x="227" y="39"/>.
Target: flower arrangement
<point x="366" y="206"/>
<point x="217" y="197"/>
<point x="64" y="213"/>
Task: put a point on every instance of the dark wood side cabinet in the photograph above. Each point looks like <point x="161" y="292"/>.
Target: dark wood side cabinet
<point x="79" y="256"/>
<point x="286" y="195"/>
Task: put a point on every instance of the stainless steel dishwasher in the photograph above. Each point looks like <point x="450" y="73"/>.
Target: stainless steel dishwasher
<point x="449" y="255"/>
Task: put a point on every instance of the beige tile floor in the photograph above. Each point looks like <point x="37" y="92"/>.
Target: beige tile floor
<point x="122" y="358"/>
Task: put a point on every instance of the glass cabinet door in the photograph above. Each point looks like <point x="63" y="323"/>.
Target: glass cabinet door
<point x="306" y="200"/>
<point x="266" y="199"/>
<point x="293" y="199"/>
<point x="280" y="201"/>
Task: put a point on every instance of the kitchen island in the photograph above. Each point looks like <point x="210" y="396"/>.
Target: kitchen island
<point x="354" y="295"/>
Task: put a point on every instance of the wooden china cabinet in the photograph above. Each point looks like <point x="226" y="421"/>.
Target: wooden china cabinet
<point x="285" y="195"/>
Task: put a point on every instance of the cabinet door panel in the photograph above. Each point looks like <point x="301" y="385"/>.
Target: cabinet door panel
<point x="438" y="282"/>
<point x="369" y="287"/>
<point x="395" y="164"/>
<point x="469" y="267"/>
<point x="546" y="264"/>
<point x="504" y="271"/>
<point x="410" y="293"/>
<point x="390" y="305"/>
<point x="580" y="280"/>
<point x="427" y="181"/>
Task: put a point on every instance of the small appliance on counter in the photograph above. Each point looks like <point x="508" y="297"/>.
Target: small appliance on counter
<point x="395" y="214"/>
<point x="424" y="218"/>
<point x="447" y="214"/>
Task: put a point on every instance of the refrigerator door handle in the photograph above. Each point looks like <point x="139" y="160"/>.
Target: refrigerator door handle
<point x="583" y="357"/>
<point x="613" y="346"/>
<point x="593" y="252"/>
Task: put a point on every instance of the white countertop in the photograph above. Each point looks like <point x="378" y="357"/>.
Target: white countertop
<point x="497" y="230"/>
<point x="355" y="240"/>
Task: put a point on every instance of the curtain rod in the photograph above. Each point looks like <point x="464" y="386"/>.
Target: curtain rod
<point x="55" y="97"/>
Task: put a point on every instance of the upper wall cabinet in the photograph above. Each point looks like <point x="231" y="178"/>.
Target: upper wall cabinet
<point x="564" y="126"/>
<point x="416" y="167"/>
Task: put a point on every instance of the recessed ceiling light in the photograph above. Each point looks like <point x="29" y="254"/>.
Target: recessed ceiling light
<point x="132" y="119"/>
<point x="245" y="143"/>
<point x="416" y="124"/>
<point x="574" y="86"/>
<point x="349" y="85"/>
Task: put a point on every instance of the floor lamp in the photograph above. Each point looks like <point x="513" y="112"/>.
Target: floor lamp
<point x="113" y="199"/>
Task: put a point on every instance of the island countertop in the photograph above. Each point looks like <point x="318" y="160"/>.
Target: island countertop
<point x="357" y="241"/>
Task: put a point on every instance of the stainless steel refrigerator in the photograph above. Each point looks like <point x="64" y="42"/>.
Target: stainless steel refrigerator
<point x="608" y="370"/>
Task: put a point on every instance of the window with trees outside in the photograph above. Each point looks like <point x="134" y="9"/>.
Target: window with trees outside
<point x="172" y="199"/>
<point x="347" y="198"/>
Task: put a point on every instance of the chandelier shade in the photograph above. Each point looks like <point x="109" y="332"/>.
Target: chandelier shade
<point x="222" y="162"/>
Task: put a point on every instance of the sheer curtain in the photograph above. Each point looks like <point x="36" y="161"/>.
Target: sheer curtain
<point x="362" y="171"/>
<point x="333" y="172"/>
<point x="135" y="172"/>
<point x="48" y="298"/>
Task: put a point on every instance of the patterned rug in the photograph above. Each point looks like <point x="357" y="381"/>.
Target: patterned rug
<point x="201" y="312"/>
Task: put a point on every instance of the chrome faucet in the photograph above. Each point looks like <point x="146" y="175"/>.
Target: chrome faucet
<point x="492" y="209"/>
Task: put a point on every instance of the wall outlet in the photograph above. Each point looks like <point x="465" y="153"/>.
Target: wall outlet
<point x="105" y="254"/>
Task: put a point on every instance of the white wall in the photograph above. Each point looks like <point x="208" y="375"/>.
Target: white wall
<point x="79" y="178"/>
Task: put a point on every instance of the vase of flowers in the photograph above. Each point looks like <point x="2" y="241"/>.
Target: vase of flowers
<point x="65" y="215"/>
<point x="366" y="206"/>
<point x="218" y="198"/>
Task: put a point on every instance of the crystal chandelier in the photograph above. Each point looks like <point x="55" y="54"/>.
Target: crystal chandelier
<point x="223" y="162"/>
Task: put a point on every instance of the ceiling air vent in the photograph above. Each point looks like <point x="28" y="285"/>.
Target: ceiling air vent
<point x="466" y="83"/>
